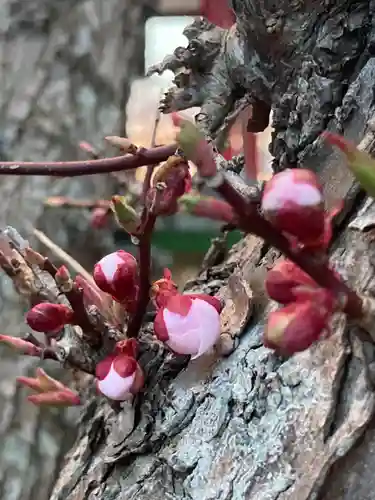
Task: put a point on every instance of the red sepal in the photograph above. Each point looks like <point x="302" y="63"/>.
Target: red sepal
<point x="160" y="329"/>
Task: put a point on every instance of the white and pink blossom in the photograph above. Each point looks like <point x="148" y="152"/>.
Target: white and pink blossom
<point x="293" y="202"/>
<point x="117" y="274"/>
<point x="188" y="324"/>
<point x="119" y="375"/>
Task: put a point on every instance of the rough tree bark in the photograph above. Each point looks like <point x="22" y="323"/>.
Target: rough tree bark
<point x="254" y="426"/>
<point x="65" y="71"/>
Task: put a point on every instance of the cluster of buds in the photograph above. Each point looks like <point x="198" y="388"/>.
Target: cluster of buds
<point x="294" y="204"/>
<point x="188" y="324"/>
<point x="119" y="376"/>
<point x="306" y="313"/>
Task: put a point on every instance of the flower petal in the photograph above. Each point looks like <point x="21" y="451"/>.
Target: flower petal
<point x="114" y="386"/>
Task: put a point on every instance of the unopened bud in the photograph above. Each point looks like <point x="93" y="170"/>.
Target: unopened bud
<point x="117" y="274"/>
<point x="206" y="206"/>
<point x="49" y="318"/>
<point x="195" y="147"/>
<point x="99" y="218"/>
<point x="283" y="279"/>
<point x="297" y="326"/>
<point x="293" y="202"/>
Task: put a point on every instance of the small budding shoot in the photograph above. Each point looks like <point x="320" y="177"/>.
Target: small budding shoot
<point x="171" y="180"/>
<point x="50" y="392"/>
<point x="117" y="275"/>
<point x="50" y="318"/>
<point x="20" y="345"/>
<point x="125" y="215"/>
<point x="207" y="206"/>
<point x="195" y="146"/>
<point x="361" y="164"/>
<point x="187" y="324"/>
<point x="119" y="376"/>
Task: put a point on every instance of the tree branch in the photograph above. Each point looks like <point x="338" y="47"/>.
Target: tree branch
<point x="143" y="157"/>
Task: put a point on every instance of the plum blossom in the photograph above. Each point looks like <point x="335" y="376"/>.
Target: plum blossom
<point x="188" y="324"/>
<point x="119" y="375"/>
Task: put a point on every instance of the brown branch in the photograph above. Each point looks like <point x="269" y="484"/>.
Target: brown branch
<point x="143" y="157"/>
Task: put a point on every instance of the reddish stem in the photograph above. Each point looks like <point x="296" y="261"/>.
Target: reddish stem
<point x="251" y="221"/>
<point x="147" y="181"/>
<point x="143" y="157"/>
<point x="144" y="274"/>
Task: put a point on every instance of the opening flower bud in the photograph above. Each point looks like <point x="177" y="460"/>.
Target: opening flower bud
<point x="188" y="324"/>
<point x="283" y="280"/>
<point x="297" y="326"/>
<point x="117" y="274"/>
<point x="293" y="202"/>
<point x="49" y="318"/>
<point x="119" y="374"/>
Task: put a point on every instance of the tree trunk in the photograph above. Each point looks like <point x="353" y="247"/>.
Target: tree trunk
<point x="254" y="426"/>
<point x="65" y="74"/>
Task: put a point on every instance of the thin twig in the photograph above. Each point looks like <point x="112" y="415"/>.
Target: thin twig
<point x="89" y="167"/>
<point x="62" y="255"/>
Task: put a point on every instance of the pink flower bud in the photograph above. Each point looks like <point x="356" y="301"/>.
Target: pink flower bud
<point x="117" y="274"/>
<point x="119" y="374"/>
<point x="283" y="279"/>
<point x="49" y="318"/>
<point x="293" y="202"/>
<point x="297" y="326"/>
<point x="188" y="324"/>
